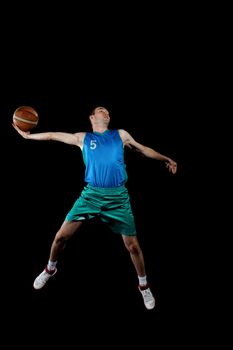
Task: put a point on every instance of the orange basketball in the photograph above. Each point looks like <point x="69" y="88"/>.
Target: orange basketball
<point x="25" y="117"/>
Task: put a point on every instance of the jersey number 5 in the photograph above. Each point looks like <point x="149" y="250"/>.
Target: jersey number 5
<point x="92" y="144"/>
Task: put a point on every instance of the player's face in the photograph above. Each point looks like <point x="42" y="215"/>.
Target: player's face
<point x="100" y="114"/>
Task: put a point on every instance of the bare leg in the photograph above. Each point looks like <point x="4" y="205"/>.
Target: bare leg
<point x="67" y="230"/>
<point x="136" y="255"/>
<point x="131" y="243"/>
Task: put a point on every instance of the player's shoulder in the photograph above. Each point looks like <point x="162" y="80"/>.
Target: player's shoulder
<point x="122" y="131"/>
<point x="124" y="134"/>
<point x="81" y="134"/>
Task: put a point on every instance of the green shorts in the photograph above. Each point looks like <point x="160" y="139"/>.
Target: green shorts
<point x="111" y="205"/>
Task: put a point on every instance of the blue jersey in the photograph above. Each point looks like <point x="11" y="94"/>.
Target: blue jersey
<point x="103" y="155"/>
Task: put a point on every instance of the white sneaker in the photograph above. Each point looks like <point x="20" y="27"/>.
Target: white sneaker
<point x="148" y="298"/>
<point x="43" y="278"/>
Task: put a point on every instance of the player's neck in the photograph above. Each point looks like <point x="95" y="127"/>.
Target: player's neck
<point x="99" y="129"/>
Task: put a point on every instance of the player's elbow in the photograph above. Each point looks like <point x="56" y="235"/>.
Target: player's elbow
<point x="52" y="136"/>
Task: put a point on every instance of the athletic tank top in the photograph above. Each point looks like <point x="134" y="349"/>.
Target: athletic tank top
<point x="103" y="155"/>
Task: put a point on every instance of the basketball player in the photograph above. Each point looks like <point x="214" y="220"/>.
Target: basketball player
<point x="104" y="194"/>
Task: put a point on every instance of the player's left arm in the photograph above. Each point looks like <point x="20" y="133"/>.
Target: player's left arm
<point x="148" y="152"/>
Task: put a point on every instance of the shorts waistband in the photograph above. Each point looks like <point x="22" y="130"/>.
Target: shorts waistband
<point x="105" y="189"/>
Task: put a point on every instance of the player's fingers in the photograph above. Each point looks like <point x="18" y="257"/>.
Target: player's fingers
<point x="174" y="168"/>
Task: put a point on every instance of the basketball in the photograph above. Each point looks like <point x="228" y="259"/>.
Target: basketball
<point x="26" y="118"/>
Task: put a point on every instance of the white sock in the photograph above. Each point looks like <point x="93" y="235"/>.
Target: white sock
<point x="142" y="280"/>
<point x="51" y="265"/>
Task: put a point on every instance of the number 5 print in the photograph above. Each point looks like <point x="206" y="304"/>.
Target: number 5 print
<point x="92" y="144"/>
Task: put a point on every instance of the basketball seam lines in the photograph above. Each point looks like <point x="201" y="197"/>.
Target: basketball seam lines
<point x="25" y="120"/>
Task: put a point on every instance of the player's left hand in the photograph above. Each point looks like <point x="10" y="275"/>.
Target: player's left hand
<point x="172" y="166"/>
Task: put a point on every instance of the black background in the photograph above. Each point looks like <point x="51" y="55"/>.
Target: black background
<point x="145" y="69"/>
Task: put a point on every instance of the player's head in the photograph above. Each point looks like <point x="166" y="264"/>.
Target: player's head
<point x="100" y="115"/>
<point x="100" y="109"/>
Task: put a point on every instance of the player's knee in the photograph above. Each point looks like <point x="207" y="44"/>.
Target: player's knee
<point x="60" y="239"/>
<point x="133" y="248"/>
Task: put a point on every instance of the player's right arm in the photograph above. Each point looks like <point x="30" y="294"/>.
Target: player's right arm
<point x="75" y="139"/>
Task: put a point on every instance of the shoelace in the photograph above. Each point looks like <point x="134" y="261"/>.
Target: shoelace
<point x="45" y="276"/>
<point x="147" y="295"/>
